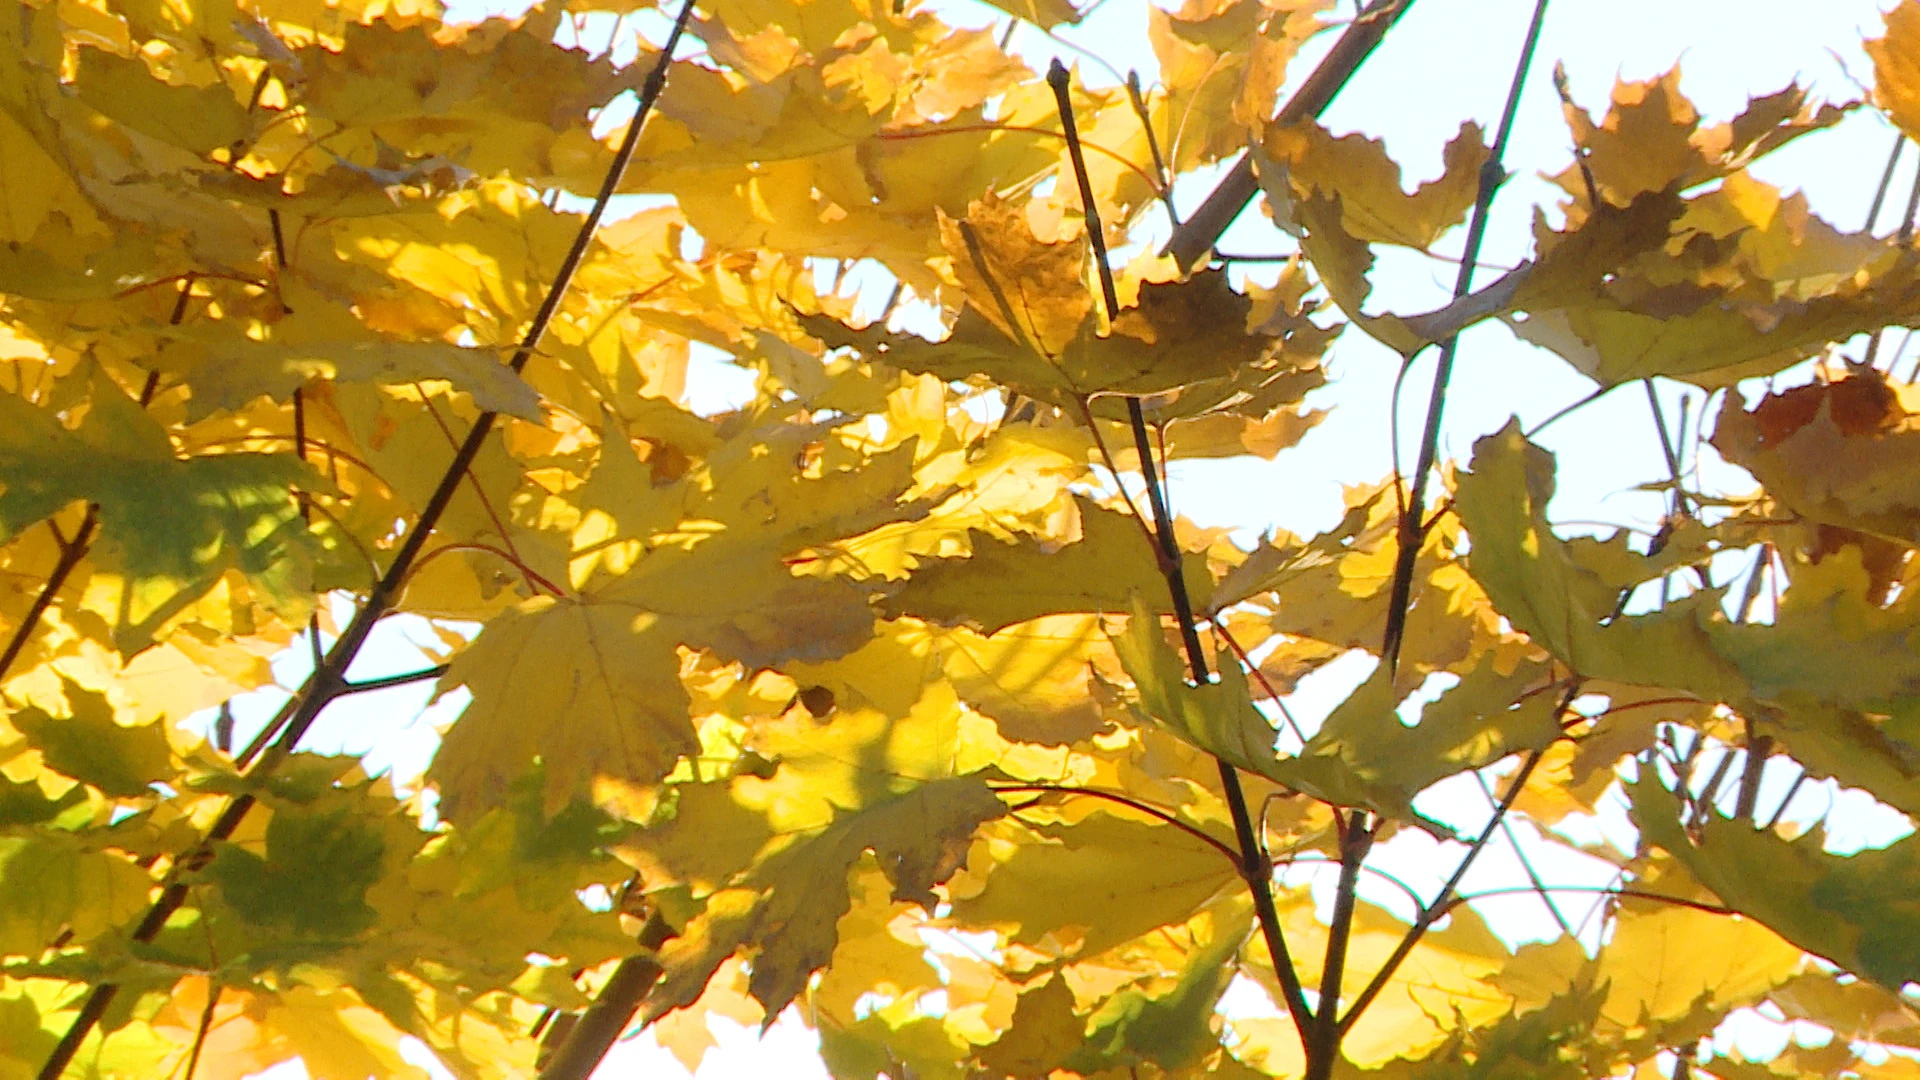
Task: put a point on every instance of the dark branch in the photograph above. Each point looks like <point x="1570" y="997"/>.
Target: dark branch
<point x="327" y="681"/>
<point x="1255" y="866"/>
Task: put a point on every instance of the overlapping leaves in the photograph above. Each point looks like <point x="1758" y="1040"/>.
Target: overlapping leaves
<point x="828" y="684"/>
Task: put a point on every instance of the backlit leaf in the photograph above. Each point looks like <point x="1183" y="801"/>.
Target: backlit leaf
<point x="169" y="527"/>
<point x="1565" y="609"/>
<point x="1856" y="911"/>
<point x="787" y="908"/>
<point x="89" y="745"/>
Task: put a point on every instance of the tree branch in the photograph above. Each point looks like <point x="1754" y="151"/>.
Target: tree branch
<point x="327" y="681"/>
<point x="595" y="1032"/>
<point x="1255" y="865"/>
<point x="1356" y="839"/>
<point x="1442" y="903"/>
<point x="1197" y="235"/>
<point x="1412" y="527"/>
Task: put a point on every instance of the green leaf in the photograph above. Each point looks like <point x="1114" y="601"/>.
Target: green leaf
<point x="314" y="877"/>
<point x="193" y="118"/>
<point x="1861" y="911"/>
<point x="1030" y="324"/>
<point x="1044" y="1032"/>
<point x="91" y="747"/>
<point x="1483" y="718"/>
<point x="227" y="372"/>
<point x="789" y="905"/>
<point x="1105" y="878"/>
<point x="608" y="658"/>
<point x="1218" y="718"/>
<point x="1003" y="583"/>
<point x="50" y="882"/>
<point x="168" y="527"/>
<point x="25" y="804"/>
<point x="1568" y="610"/>
<point x="1173" y="1029"/>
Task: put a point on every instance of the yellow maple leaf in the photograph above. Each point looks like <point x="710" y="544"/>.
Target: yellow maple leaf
<point x="1373" y="208"/>
<point x="1095" y="884"/>
<point x="1895" y="69"/>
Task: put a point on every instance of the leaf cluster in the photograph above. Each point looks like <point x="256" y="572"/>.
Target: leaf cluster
<point x="873" y="691"/>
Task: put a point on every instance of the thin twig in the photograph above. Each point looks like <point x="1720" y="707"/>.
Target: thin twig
<point x="1785" y="800"/>
<point x="279" y="239"/>
<point x="1886" y="179"/>
<point x="1679" y="502"/>
<point x="1750" y="594"/>
<point x="1709" y="796"/>
<point x="386" y="682"/>
<point x="1131" y="803"/>
<point x="1106" y="455"/>
<point x="327" y="681"/>
<point x="1412" y="530"/>
<point x="1580" y="152"/>
<point x="1255" y="867"/>
<point x="1900" y="239"/>
<point x="1759" y="748"/>
<point x="1668" y="449"/>
<point x="1567" y="410"/>
<point x="1441" y="903"/>
<point x="300" y="447"/>
<point x="1520" y="853"/>
<point x="1165" y="188"/>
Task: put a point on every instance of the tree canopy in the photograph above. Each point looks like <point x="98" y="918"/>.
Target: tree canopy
<point x="896" y="691"/>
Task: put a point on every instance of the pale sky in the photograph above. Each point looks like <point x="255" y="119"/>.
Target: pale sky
<point x="1447" y="61"/>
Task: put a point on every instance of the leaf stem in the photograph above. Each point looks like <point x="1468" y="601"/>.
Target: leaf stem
<point x="327" y="681"/>
<point x="1520" y="854"/>
<point x="206" y="1024"/>
<point x="1132" y="803"/>
<point x="1608" y="891"/>
<point x="1286" y="715"/>
<point x="1320" y="857"/>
